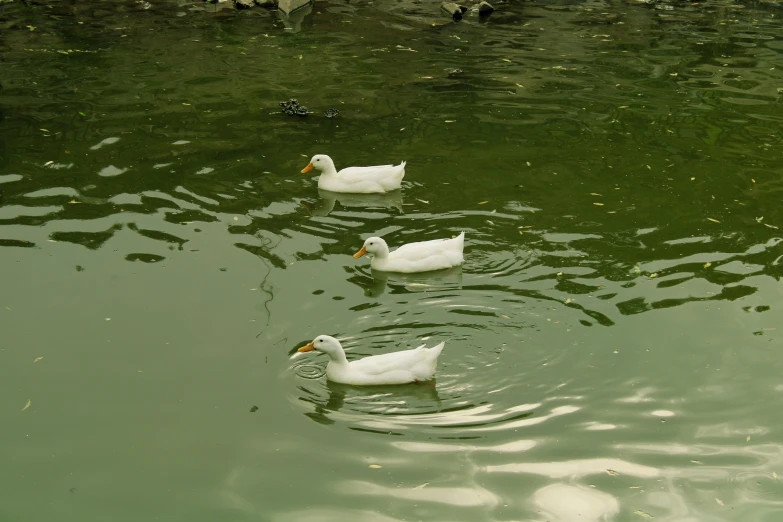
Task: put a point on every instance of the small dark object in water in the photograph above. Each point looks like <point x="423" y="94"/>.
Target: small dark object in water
<point x="292" y="108"/>
<point x="254" y="408"/>
<point x="331" y="113"/>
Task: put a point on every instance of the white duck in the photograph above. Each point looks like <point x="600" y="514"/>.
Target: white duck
<point x="362" y="180"/>
<point x="389" y="368"/>
<point x="423" y="256"/>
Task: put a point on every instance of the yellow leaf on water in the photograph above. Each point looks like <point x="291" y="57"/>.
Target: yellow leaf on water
<point x="48" y="163"/>
<point x="375" y="466"/>
<point x="27" y="405"/>
<point x="612" y="472"/>
<point x="719" y="501"/>
<point x="599" y="204"/>
<point x="643" y="514"/>
<point x="37" y="359"/>
<point x="483" y="202"/>
<point x="713" y="220"/>
<point x="707" y="264"/>
<point x="506" y="60"/>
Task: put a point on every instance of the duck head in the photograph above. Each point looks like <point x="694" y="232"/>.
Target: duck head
<point x="326" y="344"/>
<point x="375" y="246"/>
<point x="320" y="162"/>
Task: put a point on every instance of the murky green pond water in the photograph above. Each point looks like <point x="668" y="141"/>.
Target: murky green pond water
<point x="613" y="347"/>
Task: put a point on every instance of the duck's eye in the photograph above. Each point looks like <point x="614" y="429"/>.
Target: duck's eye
<point x="320" y="340"/>
<point x="371" y="244"/>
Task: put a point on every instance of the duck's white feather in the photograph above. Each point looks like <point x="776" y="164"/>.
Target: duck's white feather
<point x="361" y="180"/>
<point x="422" y="256"/>
<point x="390" y="368"/>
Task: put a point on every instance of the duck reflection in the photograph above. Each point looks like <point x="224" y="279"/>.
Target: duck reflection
<point x="375" y="282"/>
<point x="375" y="401"/>
<point x="391" y="199"/>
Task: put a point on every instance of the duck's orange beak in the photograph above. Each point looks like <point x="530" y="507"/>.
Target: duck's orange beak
<point x="308" y="168"/>
<point x="307" y="348"/>
<point x="360" y="253"/>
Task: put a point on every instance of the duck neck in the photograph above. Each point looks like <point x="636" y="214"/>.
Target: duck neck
<point x="382" y="252"/>
<point x="328" y="169"/>
<point x="338" y="358"/>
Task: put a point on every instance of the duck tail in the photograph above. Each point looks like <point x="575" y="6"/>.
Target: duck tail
<point x="461" y="239"/>
<point x="435" y="350"/>
<point x="401" y="170"/>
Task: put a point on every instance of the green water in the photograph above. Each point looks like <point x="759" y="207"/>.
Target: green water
<point x="613" y="342"/>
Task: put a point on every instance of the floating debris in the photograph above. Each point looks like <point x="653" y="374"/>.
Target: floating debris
<point x="292" y="108"/>
<point x="331" y="113"/>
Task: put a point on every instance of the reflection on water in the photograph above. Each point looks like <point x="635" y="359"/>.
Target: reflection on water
<point x="611" y="341"/>
<point x="377" y="282"/>
<point x="293" y="12"/>
<point x="564" y="503"/>
<point x="349" y="202"/>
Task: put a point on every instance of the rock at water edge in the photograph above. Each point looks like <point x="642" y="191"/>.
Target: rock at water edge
<point x="484" y="8"/>
<point x="455" y="10"/>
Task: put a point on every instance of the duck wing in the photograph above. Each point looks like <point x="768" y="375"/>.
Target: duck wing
<point x="423" y="249"/>
<point x="358" y="173"/>
<point x="388" y="362"/>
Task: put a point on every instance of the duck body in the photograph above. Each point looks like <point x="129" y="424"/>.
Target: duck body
<point x="358" y="180"/>
<point x="423" y="256"/>
<point x="400" y="367"/>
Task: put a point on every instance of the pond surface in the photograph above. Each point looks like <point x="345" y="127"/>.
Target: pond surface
<point x="613" y="340"/>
